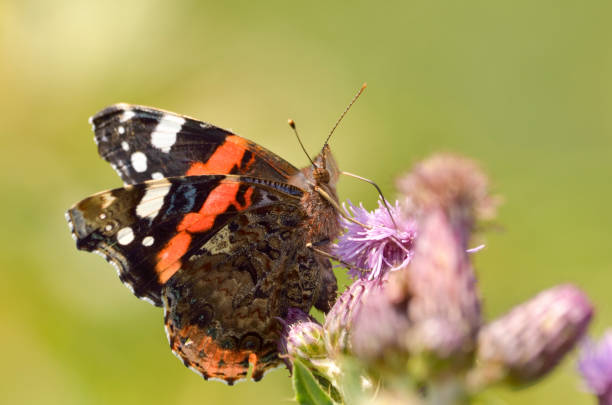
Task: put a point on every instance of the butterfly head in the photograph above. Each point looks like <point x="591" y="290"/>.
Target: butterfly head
<point x="325" y="169"/>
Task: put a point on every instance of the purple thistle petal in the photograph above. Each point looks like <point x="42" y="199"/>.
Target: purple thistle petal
<point x="595" y="366"/>
<point x="380" y="248"/>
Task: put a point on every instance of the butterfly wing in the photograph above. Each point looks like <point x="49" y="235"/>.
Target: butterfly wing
<point x="222" y="308"/>
<point x="147" y="230"/>
<point x="143" y="143"/>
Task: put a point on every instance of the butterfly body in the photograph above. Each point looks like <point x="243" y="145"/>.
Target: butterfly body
<point x="214" y="228"/>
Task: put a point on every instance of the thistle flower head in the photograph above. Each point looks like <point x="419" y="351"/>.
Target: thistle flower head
<point x="531" y="339"/>
<point x="427" y="310"/>
<point x="445" y="305"/>
<point x="451" y="183"/>
<point x="438" y="301"/>
<point x="595" y="366"/>
<point x="381" y="247"/>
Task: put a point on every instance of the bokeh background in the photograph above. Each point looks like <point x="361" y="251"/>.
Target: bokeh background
<point x="523" y="87"/>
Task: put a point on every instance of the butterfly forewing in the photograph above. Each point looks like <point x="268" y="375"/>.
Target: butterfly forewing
<point x="147" y="229"/>
<point x="143" y="143"/>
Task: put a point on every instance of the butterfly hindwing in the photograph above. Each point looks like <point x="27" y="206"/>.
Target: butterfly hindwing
<point x="148" y="230"/>
<point x="143" y="143"/>
<point x="222" y="309"/>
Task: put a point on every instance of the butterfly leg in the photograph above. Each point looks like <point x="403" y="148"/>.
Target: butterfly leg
<point x="309" y="245"/>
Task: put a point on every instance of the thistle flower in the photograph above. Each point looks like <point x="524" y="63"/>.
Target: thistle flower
<point x="445" y="306"/>
<point x="451" y="183"/>
<point x="380" y="248"/>
<point x="531" y="339"/>
<point x="428" y="310"/>
<point x="595" y="366"/>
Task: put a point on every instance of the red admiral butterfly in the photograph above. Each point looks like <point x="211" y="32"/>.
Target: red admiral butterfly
<point x="214" y="228"/>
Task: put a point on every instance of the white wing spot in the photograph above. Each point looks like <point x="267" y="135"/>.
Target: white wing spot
<point x="152" y="200"/>
<point x="125" y="236"/>
<point x="165" y="132"/>
<point x="148" y="241"/>
<point x="102" y="216"/>
<point x="125" y="146"/>
<point x="108" y="227"/>
<point x="127" y="115"/>
<point x="157" y="176"/>
<point x="121" y="130"/>
<point x="139" y="162"/>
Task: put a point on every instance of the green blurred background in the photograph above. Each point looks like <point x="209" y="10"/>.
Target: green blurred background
<point x="523" y="87"/>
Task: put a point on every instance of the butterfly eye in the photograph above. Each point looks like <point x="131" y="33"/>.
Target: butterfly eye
<point x="250" y="341"/>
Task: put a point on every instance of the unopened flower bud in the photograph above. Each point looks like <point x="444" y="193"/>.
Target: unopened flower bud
<point x="302" y="336"/>
<point x="532" y="338"/>
<point x="303" y="339"/>
<point x="444" y="306"/>
<point x="339" y="320"/>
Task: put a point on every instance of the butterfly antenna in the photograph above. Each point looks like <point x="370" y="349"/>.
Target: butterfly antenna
<point x="382" y="197"/>
<point x="292" y="125"/>
<point x="345" y="111"/>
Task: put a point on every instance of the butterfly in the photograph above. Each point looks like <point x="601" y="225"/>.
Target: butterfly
<point x="223" y="234"/>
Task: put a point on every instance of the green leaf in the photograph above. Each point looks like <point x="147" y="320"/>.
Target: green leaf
<point x="307" y="389"/>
